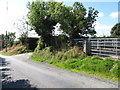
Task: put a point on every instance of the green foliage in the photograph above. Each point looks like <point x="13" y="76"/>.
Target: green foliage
<point x="42" y="55"/>
<point x="39" y="47"/>
<point x="71" y="64"/>
<point x="9" y="39"/>
<point x="43" y="15"/>
<point x="62" y="42"/>
<point x="58" y="55"/>
<point x="115" y="31"/>
<point x="38" y="59"/>
<point x="115" y="70"/>
<point x="23" y="38"/>
<point x="41" y="18"/>
<point x="105" y="68"/>
<point x="74" y="21"/>
<point x="74" y="52"/>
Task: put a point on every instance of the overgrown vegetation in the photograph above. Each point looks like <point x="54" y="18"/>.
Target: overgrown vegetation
<point x="73" y="52"/>
<point x="15" y="49"/>
<point x="74" y="59"/>
<point x="93" y="65"/>
<point x="8" y="39"/>
<point x="41" y="54"/>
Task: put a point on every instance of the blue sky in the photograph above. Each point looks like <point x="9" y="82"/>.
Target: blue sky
<point x="108" y="15"/>
<point x="107" y="8"/>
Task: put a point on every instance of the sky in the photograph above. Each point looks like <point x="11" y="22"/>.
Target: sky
<point x="107" y="17"/>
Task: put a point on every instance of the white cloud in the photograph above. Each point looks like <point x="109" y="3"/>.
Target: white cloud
<point x="114" y="14"/>
<point x="103" y="29"/>
<point x="100" y="14"/>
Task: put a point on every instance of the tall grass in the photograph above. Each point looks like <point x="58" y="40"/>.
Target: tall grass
<point x="42" y="55"/>
<point x="73" y="52"/>
<point x="75" y="60"/>
<point x="15" y="49"/>
<point x="104" y="68"/>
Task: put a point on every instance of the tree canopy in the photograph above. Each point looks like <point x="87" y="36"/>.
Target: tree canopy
<point x="115" y="31"/>
<point x="43" y="16"/>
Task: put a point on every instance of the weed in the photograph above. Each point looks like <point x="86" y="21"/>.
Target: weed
<point x="42" y="55"/>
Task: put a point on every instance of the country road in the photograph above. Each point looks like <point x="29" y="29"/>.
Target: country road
<point x="19" y="71"/>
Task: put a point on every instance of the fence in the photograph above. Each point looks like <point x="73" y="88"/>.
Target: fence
<point x="108" y="47"/>
<point x="105" y="47"/>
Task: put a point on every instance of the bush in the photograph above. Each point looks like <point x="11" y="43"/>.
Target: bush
<point x="43" y="54"/>
<point x="9" y="39"/>
<point x="73" y="52"/>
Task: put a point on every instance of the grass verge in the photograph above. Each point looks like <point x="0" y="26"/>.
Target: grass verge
<point x="42" y="55"/>
<point x="93" y="65"/>
<point x="75" y="60"/>
<point x="7" y="54"/>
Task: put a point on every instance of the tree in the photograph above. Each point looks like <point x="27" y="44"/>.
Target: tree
<point x="115" y="31"/>
<point x="75" y="22"/>
<point x="43" y="16"/>
<point x="9" y="39"/>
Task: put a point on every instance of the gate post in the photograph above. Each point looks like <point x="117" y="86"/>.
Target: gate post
<point x="87" y="46"/>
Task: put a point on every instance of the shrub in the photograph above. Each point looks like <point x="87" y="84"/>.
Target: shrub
<point x="73" y="52"/>
<point x="43" y="54"/>
<point x="39" y="47"/>
<point x="58" y="55"/>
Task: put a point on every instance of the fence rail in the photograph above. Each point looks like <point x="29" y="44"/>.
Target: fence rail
<point x="106" y="47"/>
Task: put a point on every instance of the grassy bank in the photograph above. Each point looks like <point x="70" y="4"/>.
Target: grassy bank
<point x="14" y="50"/>
<point x="93" y="65"/>
<point x="42" y="55"/>
<point x="75" y="60"/>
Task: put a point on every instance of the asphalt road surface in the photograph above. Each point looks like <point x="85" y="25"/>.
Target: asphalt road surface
<point x="19" y="71"/>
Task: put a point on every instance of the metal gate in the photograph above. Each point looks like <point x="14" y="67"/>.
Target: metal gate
<point x="108" y="47"/>
<point x="105" y="47"/>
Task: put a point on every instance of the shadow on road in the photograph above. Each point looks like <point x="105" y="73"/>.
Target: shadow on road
<point x="17" y="84"/>
<point x="8" y="83"/>
<point x="3" y="62"/>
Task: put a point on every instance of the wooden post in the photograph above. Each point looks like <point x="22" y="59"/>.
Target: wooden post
<point x="87" y="46"/>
